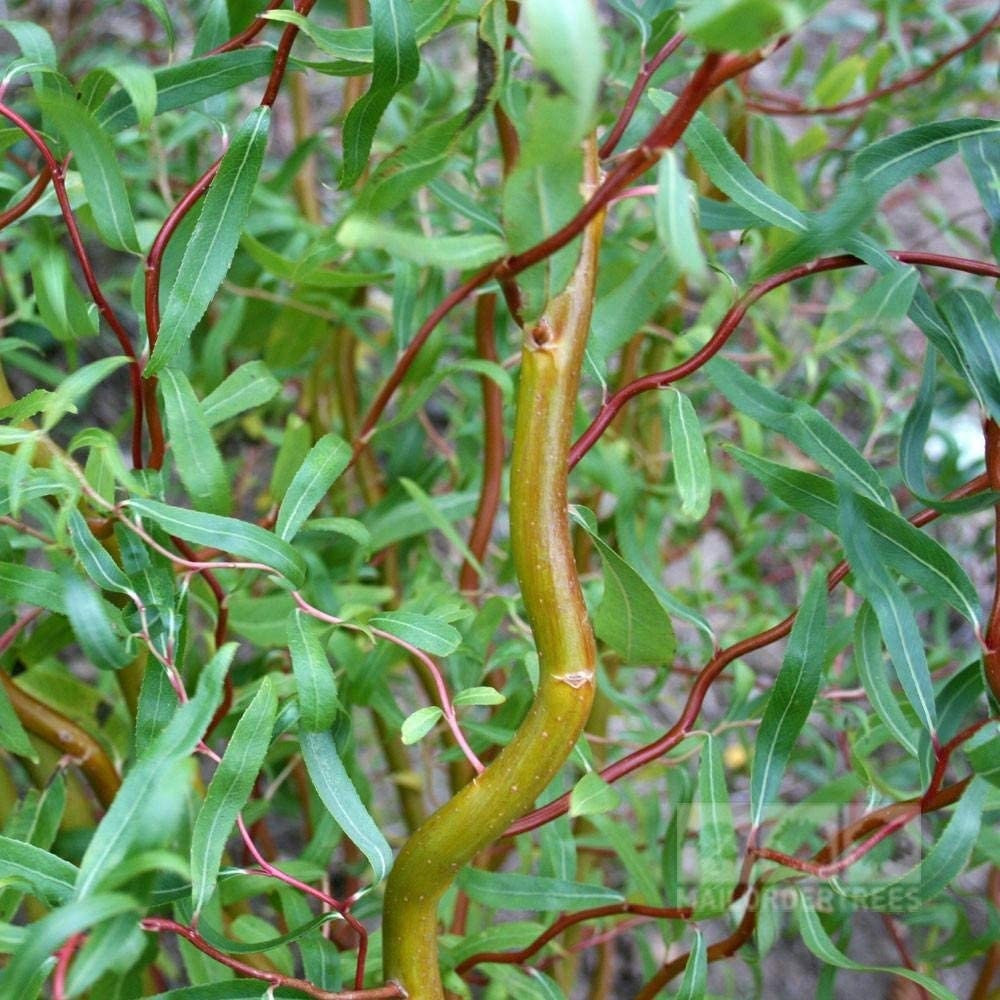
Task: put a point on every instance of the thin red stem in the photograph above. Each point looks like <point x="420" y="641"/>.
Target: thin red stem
<point x="15" y="212"/>
<point x="248" y="34"/>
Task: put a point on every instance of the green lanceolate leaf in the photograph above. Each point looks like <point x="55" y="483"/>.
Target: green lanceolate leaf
<point x="510" y="891"/>
<point x="75" y="387"/>
<point x="96" y="561"/>
<point x="592" y="795"/>
<point x="981" y="154"/>
<point x="872" y="672"/>
<point x="820" y="944"/>
<point x="630" y="617"/>
<point x="188" y="83"/>
<point x="472" y="250"/>
<point x="325" y="462"/>
<point x="800" y="424"/>
<point x="676" y="219"/>
<point x="426" y="633"/>
<point x="102" y="177"/>
<point x="197" y="459"/>
<point x="12" y="734"/>
<point x="50" y="877"/>
<point x="318" y="703"/>
<point x="695" y="972"/>
<point x="791" y="698"/>
<point x="228" y="791"/>
<point x="91" y="623"/>
<point x="691" y="468"/>
<point x="39" y="588"/>
<point x="728" y="172"/>
<point x="718" y="862"/>
<point x="419" y="723"/>
<point x="118" y="830"/>
<point x="892" y="609"/>
<point x="211" y="247"/>
<point x="338" y="794"/>
<point x="396" y="63"/>
<point x="249" y="386"/>
<point x="239" y="538"/>
<point x="976" y="325"/>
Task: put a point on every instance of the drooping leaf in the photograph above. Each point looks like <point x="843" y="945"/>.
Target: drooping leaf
<point x="118" y="830"/>
<point x="317" y="690"/>
<point x="396" y="63"/>
<point x="338" y="794"/>
<point x="95" y="158"/>
<point x="228" y="791"/>
<point x="197" y="459"/>
<point x="92" y="624"/>
<point x="718" y="859"/>
<point x="239" y="538"/>
<point x="511" y="891"/>
<point x="325" y="462"/>
<point x="691" y="466"/>
<point x="212" y="244"/>
<point x="695" y="972"/>
<point x="791" y="697"/>
<point x="676" y="216"/>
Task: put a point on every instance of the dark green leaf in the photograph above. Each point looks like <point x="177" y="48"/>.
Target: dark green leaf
<point x="92" y="625"/>
<point x="318" y="703"/>
<point x="228" y="791"/>
<point x="976" y="325"/>
<point x="423" y="631"/>
<point x="51" y="878"/>
<point x="210" y="248"/>
<point x="249" y="386"/>
<point x="510" y="891"/>
<point x="791" y="698"/>
<point x="321" y="468"/>
<point x="40" y="588"/>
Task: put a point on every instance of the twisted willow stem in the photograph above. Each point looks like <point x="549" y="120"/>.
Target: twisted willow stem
<point x="543" y="558"/>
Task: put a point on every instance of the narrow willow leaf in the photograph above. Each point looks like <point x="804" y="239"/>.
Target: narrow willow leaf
<point x="248" y="541"/>
<point x="249" y="386"/>
<point x="228" y="791"/>
<point x="691" y="467"/>
<point x="888" y="300"/>
<point x="913" y="440"/>
<point x="729" y="173"/>
<point x="321" y="468"/>
<point x="718" y="859"/>
<point x="419" y="723"/>
<point x="903" y="547"/>
<point x="91" y="623"/>
<point x="114" y="945"/>
<point x="872" y="672"/>
<point x="592" y="795"/>
<point x="791" y="698"/>
<point x="883" y="165"/>
<point x="157" y="704"/>
<point x="45" y="936"/>
<point x="103" y="182"/>
<point x="895" y="616"/>
<point x="137" y="81"/>
<point x="429" y="634"/>
<point x="396" y="63"/>
<point x="431" y="508"/>
<point x="317" y="690"/>
<point x="820" y="944"/>
<point x="695" y="972"/>
<point x="94" y="558"/>
<point x="510" y="891"/>
<point x="40" y="588"/>
<point x="338" y="794"/>
<point x="196" y="457"/>
<point x="75" y="387"/>
<point x="359" y="232"/>
<point x="800" y="424"/>
<point x="188" y="83"/>
<point x="744" y="25"/>
<point x="944" y="862"/>
<point x="117" y="831"/>
<point x="976" y="325"/>
<point x="420" y="515"/>
<point x="212" y="244"/>
<point x="676" y="223"/>
<point x="51" y="878"/>
<point x="630" y="617"/>
<point x="983" y="753"/>
<point x="564" y="38"/>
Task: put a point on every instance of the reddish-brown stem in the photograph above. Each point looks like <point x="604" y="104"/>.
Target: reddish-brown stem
<point x="692" y="708"/>
<point x="728" y="946"/>
<point x="248" y="34"/>
<point x="493" y="444"/>
<point x="734" y="317"/>
<point x="160" y="925"/>
<point x="780" y="105"/>
<point x="281" y="56"/>
<point x="569" y="920"/>
<point x="15" y="212"/>
<point x="63" y="958"/>
<point x="991" y="962"/>
<point x="649" y="68"/>
<point x="57" y="176"/>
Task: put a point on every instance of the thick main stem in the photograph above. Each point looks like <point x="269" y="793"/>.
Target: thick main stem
<point x="543" y="559"/>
